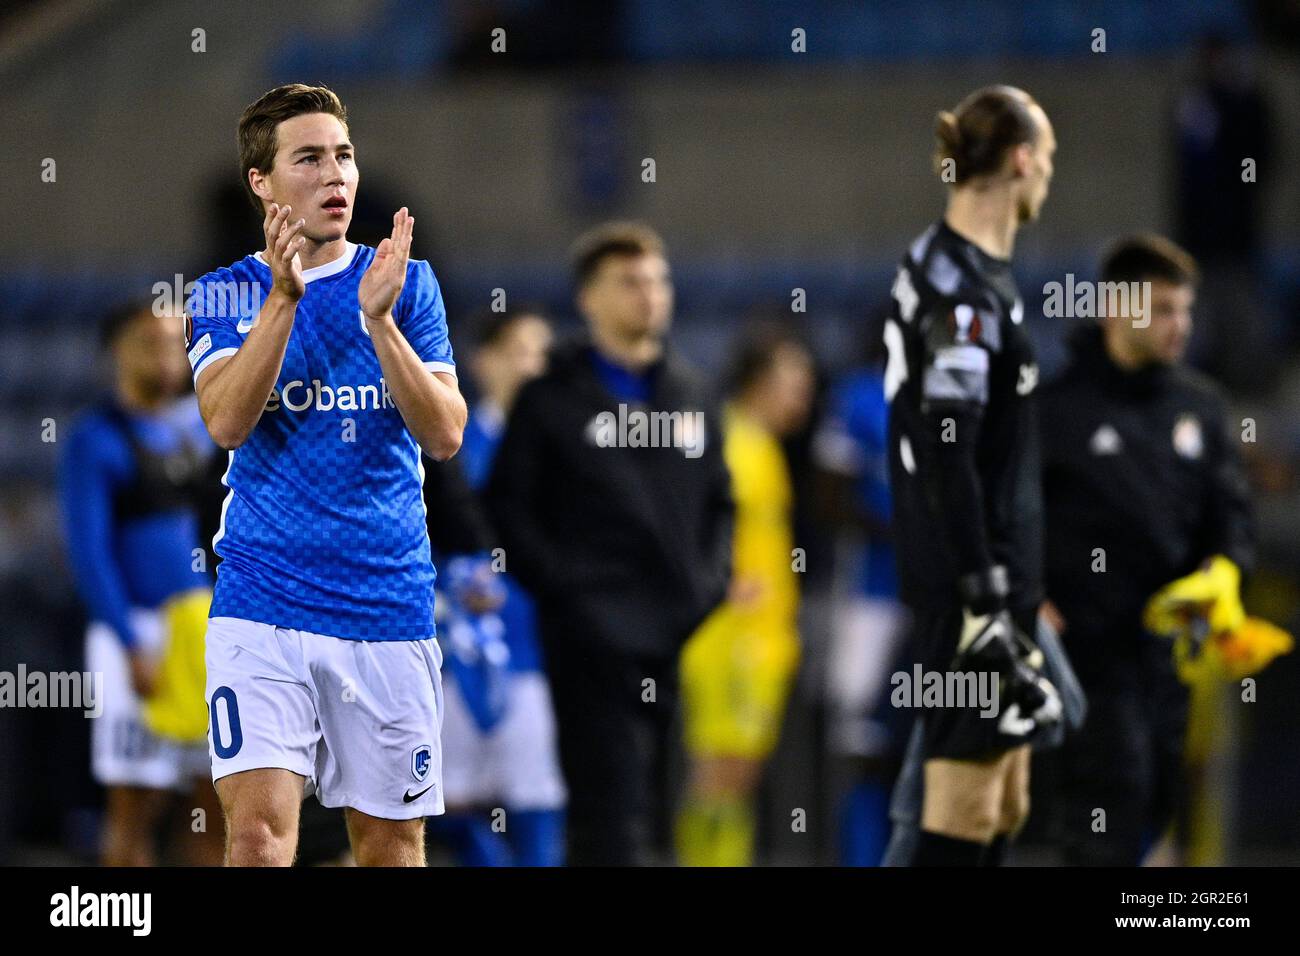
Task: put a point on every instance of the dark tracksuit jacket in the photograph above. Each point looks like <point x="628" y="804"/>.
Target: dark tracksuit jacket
<point x="625" y="551"/>
<point x="1144" y="466"/>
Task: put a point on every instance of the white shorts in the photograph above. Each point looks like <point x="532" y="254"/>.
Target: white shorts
<point x="360" y="720"/>
<point x="123" y="751"/>
<point x="866" y="640"/>
<point x="517" y="763"/>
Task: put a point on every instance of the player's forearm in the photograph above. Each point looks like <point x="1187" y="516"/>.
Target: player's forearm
<point x="964" y="526"/>
<point x="529" y="556"/>
<point x="1231" y="519"/>
<point x="233" y="397"/>
<point x="87" y="510"/>
<point x="433" y="410"/>
<point x="719" y="549"/>
<point x="958" y="490"/>
<point x="101" y="586"/>
<point x="104" y="594"/>
<point x="516" y="494"/>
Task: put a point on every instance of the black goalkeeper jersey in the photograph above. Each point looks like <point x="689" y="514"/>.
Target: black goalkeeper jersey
<point x="963" y="435"/>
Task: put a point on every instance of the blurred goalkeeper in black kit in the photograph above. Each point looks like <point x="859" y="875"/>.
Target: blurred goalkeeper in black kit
<point x="965" y="472"/>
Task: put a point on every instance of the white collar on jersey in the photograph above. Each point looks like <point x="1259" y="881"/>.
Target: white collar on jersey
<point x="332" y="268"/>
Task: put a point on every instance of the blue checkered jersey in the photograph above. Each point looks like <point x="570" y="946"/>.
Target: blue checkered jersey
<point x="323" y="529"/>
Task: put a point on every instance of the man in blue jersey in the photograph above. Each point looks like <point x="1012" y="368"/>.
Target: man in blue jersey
<point x="852" y="452"/>
<point x="325" y="368"/>
<point x="515" y="762"/>
<point x="128" y="476"/>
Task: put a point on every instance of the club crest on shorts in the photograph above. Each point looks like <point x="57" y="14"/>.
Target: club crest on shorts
<point x="421" y="758"/>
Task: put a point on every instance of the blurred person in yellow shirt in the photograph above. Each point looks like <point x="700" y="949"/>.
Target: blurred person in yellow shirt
<point x="737" y="669"/>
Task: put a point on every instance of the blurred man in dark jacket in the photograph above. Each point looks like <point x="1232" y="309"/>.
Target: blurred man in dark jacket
<point x="611" y="497"/>
<point x="1143" y="486"/>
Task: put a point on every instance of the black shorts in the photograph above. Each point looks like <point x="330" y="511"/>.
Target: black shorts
<point x="967" y="732"/>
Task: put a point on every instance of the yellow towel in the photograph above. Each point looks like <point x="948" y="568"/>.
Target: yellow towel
<point x="1214" y="593"/>
<point x="177" y="710"/>
<point x="1231" y="655"/>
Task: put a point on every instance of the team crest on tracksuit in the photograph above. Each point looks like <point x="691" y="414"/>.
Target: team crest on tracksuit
<point x="1188" y="441"/>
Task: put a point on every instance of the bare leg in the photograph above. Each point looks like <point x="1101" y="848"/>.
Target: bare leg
<point x="130" y="826"/>
<point x="261" y="810"/>
<point x="380" y="842"/>
<point x="1015" y="793"/>
<point x="205" y="847"/>
<point x="963" y="798"/>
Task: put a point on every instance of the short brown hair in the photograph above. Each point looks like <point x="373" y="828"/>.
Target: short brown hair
<point x="257" y="139"/>
<point x="612" y="239"/>
<point x="1147" y="256"/>
<point x="120" y="318"/>
<point x="490" y="328"/>
<point x="977" y="134"/>
<point x="755" y="352"/>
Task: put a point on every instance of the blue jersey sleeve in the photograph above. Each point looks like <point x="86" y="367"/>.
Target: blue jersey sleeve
<point x="214" y="319"/>
<point x="422" y="318"/>
<point x="838" y="445"/>
<point x="476" y="451"/>
<point x="853" y="440"/>
<point x="88" y="471"/>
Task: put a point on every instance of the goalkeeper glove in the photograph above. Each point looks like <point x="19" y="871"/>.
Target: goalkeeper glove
<point x="990" y="641"/>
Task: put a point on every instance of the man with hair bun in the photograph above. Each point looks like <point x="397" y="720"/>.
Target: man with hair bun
<point x="963" y="447"/>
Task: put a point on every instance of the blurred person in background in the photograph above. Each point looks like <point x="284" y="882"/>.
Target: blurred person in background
<point x="1143" y="486"/>
<point x="470" y="633"/>
<point x="128" y="479"/>
<point x="737" y="669"/>
<point x="1222" y="117"/>
<point x="1225" y="134"/>
<point x="964" y="472"/>
<point x="509" y="759"/>
<point x="851" y="451"/>
<point x="621" y="533"/>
